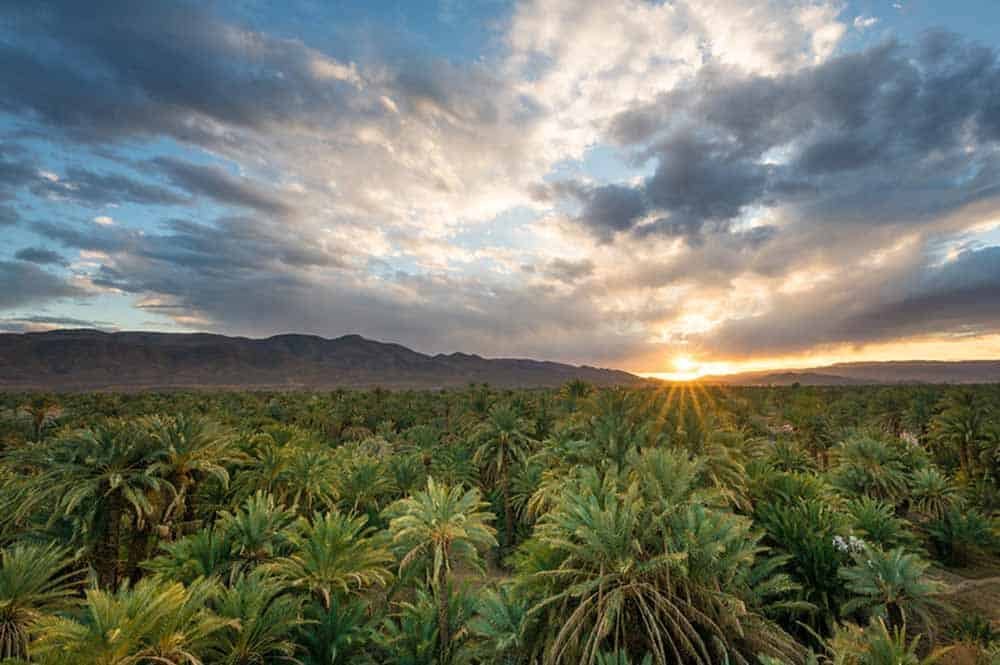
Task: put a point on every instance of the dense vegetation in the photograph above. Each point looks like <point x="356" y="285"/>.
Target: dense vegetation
<point x="686" y="525"/>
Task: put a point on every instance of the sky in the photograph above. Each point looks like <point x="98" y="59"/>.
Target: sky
<point x="675" y="188"/>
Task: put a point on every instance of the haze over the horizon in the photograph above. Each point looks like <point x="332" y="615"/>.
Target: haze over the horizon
<point x="676" y="188"/>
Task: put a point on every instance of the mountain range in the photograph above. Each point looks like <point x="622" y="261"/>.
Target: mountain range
<point x="76" y="360"/>
<point x="911" y="371"/>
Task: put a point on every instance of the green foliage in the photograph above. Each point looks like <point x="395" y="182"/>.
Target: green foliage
<point x="35" y="580"/>
<point x="875" y="521"/>
<point x="962" y="533"/>
<point x="975" y="629"/>
<point x="932" y="493"/>
<point x="157" y="621"/>
<point x="890" y="586"/>
<point x="696" y="526"/>
<point x="331" y="554"/>
<point x="872" y="467"/>
<point x="262" y="621"/>
<point x="876" y="645"/>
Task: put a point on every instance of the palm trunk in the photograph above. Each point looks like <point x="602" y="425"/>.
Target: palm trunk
<point x="107" y="547"/>
<point x="138" y="550"/>
<point x="508" y="511"/>
<point x="444" y="629"/>
<point x="444" y="633"/>
<point x="894" y="614"/>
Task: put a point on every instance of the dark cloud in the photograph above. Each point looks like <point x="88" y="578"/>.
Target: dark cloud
<point x="8" y="215"/>
<point x="98" y="189"/>
<point x="14" y="174"/>
<point x="33" y="323"/>
<point x="110" y="69"/>
<point x="877" y="137"/>
<point x="23" y="284"/>
<point x="216" y="183"/>
<point x="565" y="270"/>
<point x="232" y="247"/>
<point x="93" y="238"/>
<point x="40" y="255"/>
<point x="960" y="297"/>
<point x="610" y="208"/>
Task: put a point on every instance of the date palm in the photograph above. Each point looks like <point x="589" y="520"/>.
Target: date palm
<point x="439" y="528"/>
<point x="890" y="586"/>
<point x="263" y="621"/>
<point x="604" y="560"/>
<point x="205" y="553"/>
<point x="333" y="554"/>
<point x="42" y="414"/>
<point x="35" y="580"/>
<point x="191" y="449"/>
<point x="501" y="626"/>
<point x="259" y="530"/>
<point x="932" y="493"/>
<point x="103" y="477"/>
<point x="961" y="427"/>
<point x="503" y="439"/>
<point x="155" y="622"/>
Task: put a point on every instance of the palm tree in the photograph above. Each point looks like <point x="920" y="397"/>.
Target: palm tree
<point x="605" y="560"/>
<point x="931" y="492"/>
<point x="191" y="448"/>
<point x="101" y="475"/>
<point x="155" y="622"/>
<point x="205" y="553"/>
<point x="501" y="626"/>
<point x="866" y="465"/>
<point x="308" y="481"/>
<point x="336" y="635"/>
<point x="890" y="586"/>
<point x="42" y="413"/>
<point x="263" y="619"/>
<point x="573" y="392"/>
<point x="259" y="530"/>
<point x="35" y="580"/>
<point x="961" y="426"/>
<point x="504" y="439"/>
<point x="876" y="645"/>
<point x="440" y="527"/>
<point x="334" y="553"/>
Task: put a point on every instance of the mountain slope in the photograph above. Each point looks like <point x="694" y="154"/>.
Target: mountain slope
<point x="915" y="371"/>
<point x="95" y="360"/>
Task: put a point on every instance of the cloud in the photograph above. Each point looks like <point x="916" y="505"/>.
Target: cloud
<point x="186" y="72"/>
<point x="88" y="188"/>
<point x="8" y="216"/>
<point x="864" y="22"/>
<point x="40" y="255"/>
<point x="565" y="270"/>
<point x="23" y="284"/>
<point x="40" y="323"/>
<point x="959" y="298"/>
<point x="217" y="184"/>
<point x="766" y="175"/>
<point x="887" y="135"/>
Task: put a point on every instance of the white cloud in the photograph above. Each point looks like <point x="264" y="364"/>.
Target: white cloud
<point x="865" y="22"/>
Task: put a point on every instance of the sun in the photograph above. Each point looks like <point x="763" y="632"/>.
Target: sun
<point x="685" y="368"/>
<point x="685" y="364"/>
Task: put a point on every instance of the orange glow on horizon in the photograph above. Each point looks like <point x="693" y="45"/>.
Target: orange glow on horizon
<point x="690" y="367"/>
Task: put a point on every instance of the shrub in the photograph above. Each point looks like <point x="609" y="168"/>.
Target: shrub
<point x="960" y="534"/>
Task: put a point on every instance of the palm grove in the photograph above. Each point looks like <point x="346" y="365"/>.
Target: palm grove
<point x="600" y="526"/>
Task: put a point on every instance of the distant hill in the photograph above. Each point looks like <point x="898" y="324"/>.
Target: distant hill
<point x="915" y="371"/>
<point x="74" y="360"/>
